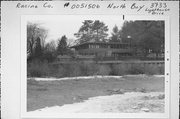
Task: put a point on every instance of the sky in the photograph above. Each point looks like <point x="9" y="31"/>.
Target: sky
<point x="58" y="26"/>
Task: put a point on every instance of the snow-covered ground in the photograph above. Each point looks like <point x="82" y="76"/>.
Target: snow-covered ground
<point x="86" y="77"/>
<point x="76" y="78"/>
<point x="132" y="102"/>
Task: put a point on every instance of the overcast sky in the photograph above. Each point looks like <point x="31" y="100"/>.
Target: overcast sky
<point x="58" y="26"/>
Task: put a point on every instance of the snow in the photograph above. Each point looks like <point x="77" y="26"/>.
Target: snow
<point x="112" y="103"/>
<point x="87" y="77"/>
<point x="75" y="78"/>
<point x="160" y="76"/>
<point x="144" y="75"/>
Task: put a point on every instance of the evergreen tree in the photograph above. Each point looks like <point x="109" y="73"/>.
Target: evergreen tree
<point x="62" y="46"/>
<point x="147" y="36"/>
<point x="50" y="51"/>
<point x="92" y="31"/>
<point x="38" y="50"/>
<point x="99" y="30"/>
<point x="115" y="35"/>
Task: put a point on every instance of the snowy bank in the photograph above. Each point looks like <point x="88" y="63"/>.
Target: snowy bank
<point x="89" y="77"/>
<point x="77" y="78"/>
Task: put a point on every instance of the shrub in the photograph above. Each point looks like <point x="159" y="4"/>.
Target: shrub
<point x="120" y="69"/>
<point x="151" y="70"/>
<point x="136" y="69"/>
<point x="75" y="70"/>
<point x="93" y="69"/>
<point x="161" y="69"/>
<point x="57" y="71"/>
<point x="83" y="67"/>
<point x="104" y="70"/>
<point x="43" y="69"/>
<point x="154" y="69"/>
<point x="38" y="69"/>
<point x="66" y="70"/>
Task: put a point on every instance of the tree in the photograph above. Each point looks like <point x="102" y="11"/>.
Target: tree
<point x="115" y="35"/>
<point x="33" y="32"/>
<point x="38" y="50"/>
<point x="92" y="31"/>
<point x="85" y="32"/>
<point x="99" y="29"/>
<point x="62" y="46"/>
<point x="147" y="36"/>
<point x="133" y="29"/>
<point x="50" y="51"/>
<point x="51" y="46"/>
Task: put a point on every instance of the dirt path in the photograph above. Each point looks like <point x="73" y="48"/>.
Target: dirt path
<point x="133" y="102"/>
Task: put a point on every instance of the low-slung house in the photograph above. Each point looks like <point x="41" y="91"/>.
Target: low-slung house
<point x="104" y="49"/>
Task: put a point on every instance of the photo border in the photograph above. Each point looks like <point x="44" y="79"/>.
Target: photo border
<point x="11" y="50"/>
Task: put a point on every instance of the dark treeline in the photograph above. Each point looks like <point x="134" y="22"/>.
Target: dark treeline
<point x="146" y="36"/>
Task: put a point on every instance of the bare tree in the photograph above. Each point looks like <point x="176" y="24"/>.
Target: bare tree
<point x="33" y="32"/>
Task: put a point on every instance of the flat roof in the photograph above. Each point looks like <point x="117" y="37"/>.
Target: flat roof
<point x="110" y="43"/>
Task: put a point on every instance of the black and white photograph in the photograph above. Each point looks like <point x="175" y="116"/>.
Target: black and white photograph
<point x="100" y="64"/>
<point x="89" y="59"/>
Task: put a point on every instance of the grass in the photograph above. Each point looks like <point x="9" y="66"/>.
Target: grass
<point x="41" y="94"/>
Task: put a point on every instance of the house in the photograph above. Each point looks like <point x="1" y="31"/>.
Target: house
<point x="104" y="49"/>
